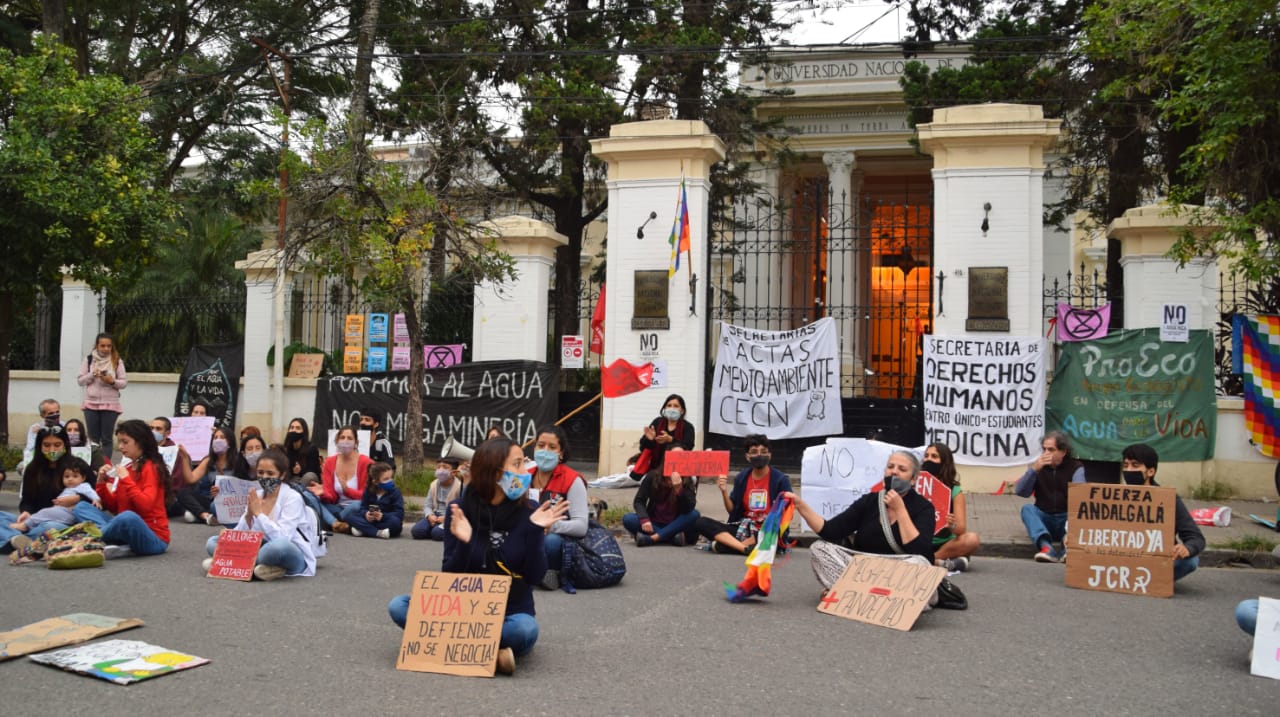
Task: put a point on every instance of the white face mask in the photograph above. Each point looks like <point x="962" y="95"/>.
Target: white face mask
<point x="346" y="447"/>
<point x="671" y="414"/>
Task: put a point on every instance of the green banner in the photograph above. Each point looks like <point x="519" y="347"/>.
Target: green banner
<point x="1131" y="387"/>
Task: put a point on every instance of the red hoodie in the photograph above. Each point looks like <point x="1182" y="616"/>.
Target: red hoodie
<point x="143" y="495"/>
<point x="334" y="490"/>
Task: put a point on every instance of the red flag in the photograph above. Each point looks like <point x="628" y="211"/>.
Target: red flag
<point x="621" y="378"/>
<point x="597" y="326"/>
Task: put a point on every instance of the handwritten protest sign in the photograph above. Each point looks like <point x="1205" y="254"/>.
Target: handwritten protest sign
<point x="882" y="591"/>
<point x="353" y="329"/>
<point x="1120" y="538"/>
<point x="454" y="623"/>
<point x="400" y="329"/>
<point x="937" y="493"/>
<point x="232" y="499"/>
<point x="235" y="555"/>
<point x="306" y="365"/>
<point x="984" y="397"/>
<point x="696" y="463"/>
<point x="837" y="473"/>
<point x="1266" y="640"/>
<point x="59" y="631"/>
<point x="785" y="384"/>
<point x="400" y="357"/>
<point x="193" y="433"/>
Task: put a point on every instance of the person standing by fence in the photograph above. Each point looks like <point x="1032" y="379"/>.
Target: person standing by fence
<point x="103" y="377"/>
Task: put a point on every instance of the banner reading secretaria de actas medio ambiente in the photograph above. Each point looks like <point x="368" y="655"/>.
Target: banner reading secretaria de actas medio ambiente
<point x="984" y="397"/>
<point x="784" y="384"/>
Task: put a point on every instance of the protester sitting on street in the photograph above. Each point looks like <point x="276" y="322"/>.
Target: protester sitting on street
<point x="754" y="490"/>
<point x="664" y="510"/>
<point x="50" y="417"/>
<point x="442" y="491"/>
<point x="553" y="482"/>
<point x="222" y="459"/>
<point x="103" y="376"/>
<point x="493" y="529"/>
<point x="953" y="546"/>
<point x="182" y="475"/>
<point x="137" y="493"/>
<point x="76" y="487"/>
<point x="1138" y="466"/>
<point x="41" y="483"/>
<point x="344" y="477"/>
<point x="381" y="513"/>
<point x="78" y="437"/>
<point x="287" y="527"/>
<point x="303" y="456"/>
<point x="252" y="447"/>
<point x="859" y="528"/>
<point x="1047" y="479"/>
<point x="495" y="431"/>
<point x="669" y="431"/>
<point x="379" y="446"/>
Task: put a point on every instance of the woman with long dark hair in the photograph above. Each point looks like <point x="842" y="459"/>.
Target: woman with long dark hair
<point x="665" y="511"/>
<point x="103" y="376"/>
<point x="137" y="494"/>
<point x="303" y="457"/>
<point x="222" y="460"/>
<point x="953" y="546"/>
<point x="41" y="483"/>
<point x="493" y="529"/>
<point x="554" y="481"/>
<point x="668" y="432"/>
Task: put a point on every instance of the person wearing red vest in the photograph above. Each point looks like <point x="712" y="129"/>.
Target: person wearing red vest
<point x="553" y="482"/>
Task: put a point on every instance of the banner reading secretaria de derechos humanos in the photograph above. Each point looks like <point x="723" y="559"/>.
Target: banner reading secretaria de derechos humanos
<point x="984" y="397"/>
<point x="784" y="384"/>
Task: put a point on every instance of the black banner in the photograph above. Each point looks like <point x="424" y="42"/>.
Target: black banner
<point x="211" y="376"/>
<point x="461" y="402"/>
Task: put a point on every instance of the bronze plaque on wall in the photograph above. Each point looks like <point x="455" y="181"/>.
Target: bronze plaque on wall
<point x="651" y="297"/>
<point x="988" y="299"/>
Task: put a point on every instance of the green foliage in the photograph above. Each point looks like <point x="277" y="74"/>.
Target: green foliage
<point x="1248" y="544"/>
<point x="1212" y="490"/>
<point x="415" y="482"/>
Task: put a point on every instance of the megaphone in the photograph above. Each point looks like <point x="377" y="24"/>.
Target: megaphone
<point x="453" y="450"/>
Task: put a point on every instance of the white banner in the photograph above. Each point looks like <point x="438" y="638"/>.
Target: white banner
<point x="984" y="397"/>
<point x="784" y="384"/>
<point x="835" y="474"/>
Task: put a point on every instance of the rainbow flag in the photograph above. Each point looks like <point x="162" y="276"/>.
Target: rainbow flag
<point x="1255" y="355"/>
<point x="759" y="578"/>
<point x="679" y="239"/>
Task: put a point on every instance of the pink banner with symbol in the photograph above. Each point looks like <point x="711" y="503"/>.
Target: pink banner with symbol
<point x="1082" y="324"/>
<point x="442" y="355"/>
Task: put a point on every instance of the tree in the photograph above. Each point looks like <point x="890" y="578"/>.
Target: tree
<point x="77" y="183"/>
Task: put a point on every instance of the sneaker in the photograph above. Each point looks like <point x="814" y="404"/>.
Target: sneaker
<point x="341" y="527"/>
<point x="20" y="542"/>
<point x="678" y="541"/>
<point x="962" y="563"/>
<point x="356" y="532"/>
<point x="506" y="661"/>
<point x="111" y="552"/>
<point x="189" y="517"/>
<point x="1046" y="555"/>
<point x="211" y="519"/>
<point x="268" y="572"/>
<point x="207" y="564"/>
<point x="385" y="533"/>
<point x="551" y="580"/>
<point x="949" y="564"/>
<point x="644" y="540"/>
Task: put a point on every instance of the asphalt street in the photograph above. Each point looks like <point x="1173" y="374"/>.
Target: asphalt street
<point x="664" y="642"/>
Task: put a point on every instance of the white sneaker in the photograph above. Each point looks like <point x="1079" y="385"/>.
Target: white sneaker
<point x="111" y="552"/>
<point x="268" y="572"/>
<point x="189" y="517"/>
<point x="385" y="533"/>
<point x="212" y="519"/>
<point x="356" y="532"/>
<point x="207" y="564"/>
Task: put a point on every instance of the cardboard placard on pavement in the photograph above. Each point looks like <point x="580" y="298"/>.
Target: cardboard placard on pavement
<point x="454" y="623"/>
<point x="1120" y="538"/>
<point x="882" y="591"/>
<point x="235" y="555"/>
<point x="60" y="631"/>
<point x="696" y="463"/>
<point x="1266" y="640"/>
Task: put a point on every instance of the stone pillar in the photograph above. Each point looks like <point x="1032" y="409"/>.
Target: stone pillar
<point x="842" y="259"/>
<point x="646" y="161"/>
<point x="1151" y="279"/>
<point x="80" y="325"/>
<point x="989" y="154"/>
<point x="510" y="320"/>
<point x="256" y="402"/>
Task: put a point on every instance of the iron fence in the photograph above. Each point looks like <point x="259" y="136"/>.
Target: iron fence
<point x="154" y="333"/>
<point x="586" y="378"/>
<point x="36" y="336"/>
<point x="1080" y="290"/>
<point x="1237" y="295"/>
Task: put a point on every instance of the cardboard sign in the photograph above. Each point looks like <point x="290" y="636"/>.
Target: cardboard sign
<point x="937" y="493"/>
<point x="1266" y="640"/>
<point x="232" y="499"/>
<point x="120" y="661"/>
<point x="306" y="365"/>
<point x="59" y="632"/>
<point x="454" y="623"/>
<point x="354" y="329"/>
<point x="235" y="555"/>
<point x="351" y="356"/>
<point x="193" y="433"/>
<point x="696" y="463"/>
<point x="1120" y="538"/>
<point x="882" y="591"/>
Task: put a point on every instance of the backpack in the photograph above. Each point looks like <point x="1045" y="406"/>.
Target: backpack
<point x="593" y="561"/>
<point x="314" y="532"/>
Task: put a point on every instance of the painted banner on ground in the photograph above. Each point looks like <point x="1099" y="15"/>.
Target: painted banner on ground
<point x="784" y="384"/>
<point x="212" y="377"/>
<point x="1255" y="355"/>
<point x="1120" y="538"/>
<point x="460" y="402"/>
<point x="984" y="397"/>
<point x="1131" y="387"/>
<point x="59" y="631"/>
<point x="453" y="623"/>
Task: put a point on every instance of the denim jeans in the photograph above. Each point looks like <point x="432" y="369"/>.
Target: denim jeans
<point x="553" y="544"/>
<point x="280" y="553"/>
<point x="357" y="521"/>
<point x="519" y="630"/>
<point x="101" y="426"/>
<point x="423" y="530"/>
<point x="1247" y="615"/>
<point x="666" y="531"/>
<point x="347" y="508"/>
<point x="88" y="511"/>
<point x="1044" y="526"/>
<point x="5" y="531"/>
<point x="1185" y="566"/>
<point x="129" y="529"/>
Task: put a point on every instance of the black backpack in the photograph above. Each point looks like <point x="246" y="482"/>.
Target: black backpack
<point x="593" y="561"/>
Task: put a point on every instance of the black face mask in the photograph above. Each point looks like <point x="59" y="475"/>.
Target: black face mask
<point x="295" y="436"/>
<point x="901" y="486"/>
<point x="1134" y="477"/>
<point x="758" y="461"/>
<point x="933" y="468"/>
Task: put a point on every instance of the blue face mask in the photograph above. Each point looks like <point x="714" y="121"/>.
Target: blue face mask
<point x="514" y="485"/>
<point x="546" y="460"/>
<point x="388" y="485"/>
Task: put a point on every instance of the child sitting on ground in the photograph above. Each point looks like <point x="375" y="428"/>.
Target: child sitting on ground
<point x="443" y="491"/>
<point x="381" y="512"/>
<point x="75" y="488"/>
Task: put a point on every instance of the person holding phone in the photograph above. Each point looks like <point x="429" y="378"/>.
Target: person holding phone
<point x="1047" y="478"/>
<point x="103" y="377"/>
<point x="382" y="512"/>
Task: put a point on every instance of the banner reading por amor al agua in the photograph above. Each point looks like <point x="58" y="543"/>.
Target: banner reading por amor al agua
<point x="984" y="397"/>
<point x="784" y="384"/>
<point x="1131" y="387"/>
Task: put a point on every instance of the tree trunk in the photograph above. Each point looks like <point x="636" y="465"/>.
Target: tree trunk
<point x="6" y="337"/>
<point x="364" y="67"/>
<point x="53" y="18"/>
<point x="412" y="446"/>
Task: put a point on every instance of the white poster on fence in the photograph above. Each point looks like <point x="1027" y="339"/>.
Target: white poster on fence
<point x="784" y="384"/>
<point x="984" y="397"/>
<point x="837" y="473"/>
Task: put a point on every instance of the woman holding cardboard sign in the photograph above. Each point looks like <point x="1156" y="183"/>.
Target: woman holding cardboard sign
<point x="955" y="543"/>
<point x="494" y="529"/>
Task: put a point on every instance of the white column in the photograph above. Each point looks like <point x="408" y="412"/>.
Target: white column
<point x="80" y="324"/>
<point x="1151" y="279"/>
<point x="510" y="320"/>
<point x="842" y="264"/>
<point x="256" y="393"/>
